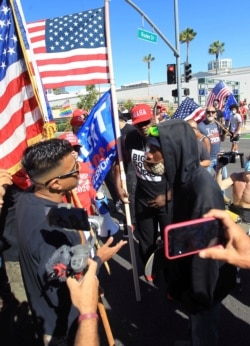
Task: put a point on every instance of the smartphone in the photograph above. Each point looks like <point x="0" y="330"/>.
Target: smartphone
<point x="190" y="237"/>
<point x="68" y="217"/>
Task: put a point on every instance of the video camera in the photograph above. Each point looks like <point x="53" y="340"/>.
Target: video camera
<point x="68" y="261"/>
<point x="230" y="157"/>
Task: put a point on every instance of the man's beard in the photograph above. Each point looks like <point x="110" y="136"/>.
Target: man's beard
<point x="156" y="168"/>
<point x="210" y="119"/>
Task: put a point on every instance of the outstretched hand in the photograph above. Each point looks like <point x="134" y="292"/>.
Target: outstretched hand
<point x="105" y="252"/>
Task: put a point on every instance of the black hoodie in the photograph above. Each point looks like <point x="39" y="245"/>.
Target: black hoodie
<point x="198" y="283"/>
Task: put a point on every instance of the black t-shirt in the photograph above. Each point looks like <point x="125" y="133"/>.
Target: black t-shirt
<point x="37" y="243"/>
<point x="148" y="185"/>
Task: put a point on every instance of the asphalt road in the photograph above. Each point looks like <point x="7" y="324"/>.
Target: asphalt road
<point x="155" y="320"/>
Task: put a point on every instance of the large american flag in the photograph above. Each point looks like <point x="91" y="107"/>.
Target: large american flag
<point x="20" y="118"/>
<point x="189" y="109"/>
<point x="71" y="50"/>
<point x="220" y="92"/>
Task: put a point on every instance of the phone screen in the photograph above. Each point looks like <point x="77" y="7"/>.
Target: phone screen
<point x="71" y="218"/>
<point x="190" y="237"/>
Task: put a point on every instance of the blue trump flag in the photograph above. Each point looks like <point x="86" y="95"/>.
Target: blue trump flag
<point x="229" y="101"/>
<point x="98" y="140"/>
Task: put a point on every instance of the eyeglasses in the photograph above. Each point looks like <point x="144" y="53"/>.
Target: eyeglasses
<point x="66" y="175"/>
<point x="210" y="112"/>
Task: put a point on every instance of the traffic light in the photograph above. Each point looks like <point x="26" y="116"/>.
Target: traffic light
<point x="188" y="72"/>
<point x="175" y="93"/>
<point x="186" y="91"/>
<point x="171" y="74"/>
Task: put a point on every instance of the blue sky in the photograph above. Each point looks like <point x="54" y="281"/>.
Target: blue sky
<point x="212" y="20"/>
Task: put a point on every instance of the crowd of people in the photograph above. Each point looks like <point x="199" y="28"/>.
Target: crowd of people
<point x="165" y="161"/>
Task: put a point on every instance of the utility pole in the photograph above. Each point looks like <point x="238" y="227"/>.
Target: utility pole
<point x="174" y="50"/>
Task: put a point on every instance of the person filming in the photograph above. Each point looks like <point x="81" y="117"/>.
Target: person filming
<point x="240" y="183"/>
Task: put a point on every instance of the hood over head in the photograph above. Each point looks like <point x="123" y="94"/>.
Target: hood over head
<point x="180" y="150"/>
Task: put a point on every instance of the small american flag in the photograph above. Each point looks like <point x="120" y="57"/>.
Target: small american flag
<point x="21" y="122"/>
<point x="220" y="92"/>
<point x="71" y="50"/>
<point x="189" y="109"/>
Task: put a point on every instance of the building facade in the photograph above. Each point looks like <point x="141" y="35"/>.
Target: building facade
<point x="237" y="80"/>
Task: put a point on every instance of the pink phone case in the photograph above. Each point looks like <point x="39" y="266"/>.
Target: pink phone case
<point x="182" y="224"/>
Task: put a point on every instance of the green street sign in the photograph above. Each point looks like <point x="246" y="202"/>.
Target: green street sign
<point x="147" y="35"/>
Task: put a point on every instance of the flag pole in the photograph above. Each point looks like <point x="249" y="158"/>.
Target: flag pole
<point x="119" y="151"/>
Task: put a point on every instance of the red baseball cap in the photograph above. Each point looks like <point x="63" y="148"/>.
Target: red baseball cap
<point x="161" y="107"/>
<point x="71" y="137"/>
<point x="78" y="112"/>
<point x="77" y="121"/>
<point x="141" y="113"/>
<point x="78" y="117"/>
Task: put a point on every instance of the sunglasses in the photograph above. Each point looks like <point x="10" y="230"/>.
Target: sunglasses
<point x="66" y="175"/>
<point x="210" y="112"/>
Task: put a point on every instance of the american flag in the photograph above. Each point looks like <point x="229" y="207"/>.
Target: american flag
<point x="71" y="50"/>
<point x="220" y="92"/>
<point x="20" y="118"/>
<point x="189" y="109"/>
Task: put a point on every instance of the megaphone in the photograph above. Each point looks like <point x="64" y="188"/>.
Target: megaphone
<point x="108" y="227"/>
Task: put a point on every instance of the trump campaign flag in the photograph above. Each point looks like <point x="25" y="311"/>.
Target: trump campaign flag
<point x="21" y="122"/>
<point x="71" y="50"/>
<point x="189" y="109"/>
<point x="219" y="92"/>
<point x="98" y="140"/>
<point x="229" y="101"/>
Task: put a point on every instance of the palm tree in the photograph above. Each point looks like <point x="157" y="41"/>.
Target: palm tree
<point x="148" y="60"/>
<point x="216" y="48"/>
<point x="187" y="36"/>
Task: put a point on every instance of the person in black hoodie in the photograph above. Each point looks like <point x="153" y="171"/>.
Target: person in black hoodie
<point x="199" y="284"/>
